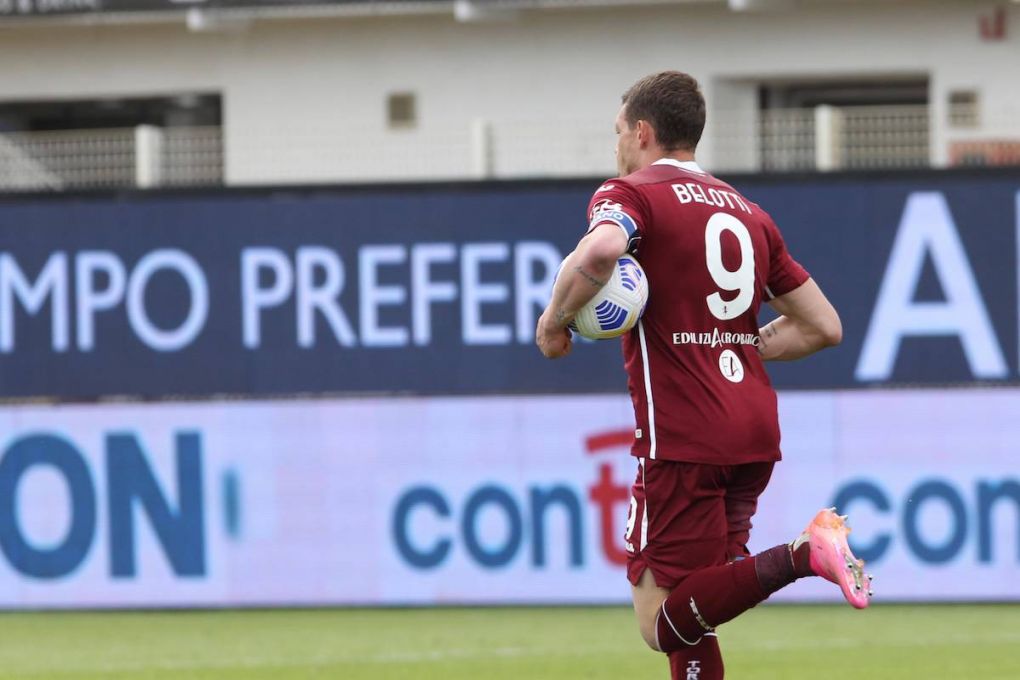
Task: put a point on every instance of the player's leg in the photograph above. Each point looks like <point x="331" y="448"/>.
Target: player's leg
<point x="745" y="483"/>
<point x="705" y="600"/>
<point x="677" y="526"/>
<point x="713" y="596"/>
<point x="648" y="598"/>
<point x="701" y="659"/>
<point x="831" y="557"/>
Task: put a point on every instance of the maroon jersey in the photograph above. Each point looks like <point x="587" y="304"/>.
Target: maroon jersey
<point x="699" y="387"/>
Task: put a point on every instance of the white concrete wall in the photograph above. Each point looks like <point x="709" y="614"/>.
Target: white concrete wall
<point x="304" y="99"/>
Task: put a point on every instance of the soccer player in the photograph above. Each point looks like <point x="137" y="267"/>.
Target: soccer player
<point x="707" y="429"/>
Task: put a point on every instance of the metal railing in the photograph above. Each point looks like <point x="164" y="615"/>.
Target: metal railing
<point x="111" y="158"/>
<point x="847" y="138"/>
<point x="787" y="140"/>
<point x="89" y="159"/>
<point x="192" y="156"/>
<point x="824" y="138"/>
<point x="875" y="137"/>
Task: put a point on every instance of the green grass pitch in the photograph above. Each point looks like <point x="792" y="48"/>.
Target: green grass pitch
<point x="782" y="642"/>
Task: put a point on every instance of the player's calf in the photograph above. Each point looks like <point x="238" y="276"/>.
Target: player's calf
<point x="702" y="661"/>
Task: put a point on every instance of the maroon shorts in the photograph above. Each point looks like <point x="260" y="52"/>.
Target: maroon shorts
<point x="688" y="516"/>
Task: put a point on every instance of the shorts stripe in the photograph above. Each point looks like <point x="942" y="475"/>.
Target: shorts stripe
<point x="644" y="510"/>
<point x="648" y="390"/>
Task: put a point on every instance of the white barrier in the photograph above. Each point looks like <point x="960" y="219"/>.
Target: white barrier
<point x="484" y="500"/>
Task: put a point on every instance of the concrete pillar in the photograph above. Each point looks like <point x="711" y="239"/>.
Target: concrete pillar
<point x="148" y="156"/>
<point x="828" y="138"/>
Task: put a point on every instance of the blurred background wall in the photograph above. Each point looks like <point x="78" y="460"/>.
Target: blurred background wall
<point x="269" y="275"/>
<point x="365" y="91"/>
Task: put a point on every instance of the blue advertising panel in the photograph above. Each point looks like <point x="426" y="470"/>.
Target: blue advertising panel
<point x="436" y="289"/>
<point x="923" y="271"/>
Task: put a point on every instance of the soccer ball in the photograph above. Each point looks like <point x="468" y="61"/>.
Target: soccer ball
<point x="617" y="307"/>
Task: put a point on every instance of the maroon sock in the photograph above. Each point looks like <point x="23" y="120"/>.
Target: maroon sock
<point x="705" y="599"/>
<point x="702" y="661"/>
<point x="802" y="560"/>
<point x="775" y="568"/>
<point x="711" y="597"/>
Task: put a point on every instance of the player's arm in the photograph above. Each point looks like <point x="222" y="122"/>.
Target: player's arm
<point x="582" y="275"/>
<point x="808" y="322"/>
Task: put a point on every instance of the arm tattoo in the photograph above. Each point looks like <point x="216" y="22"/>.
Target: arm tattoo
<point x="598" y="283"/>
<point x="768" y="332"/>
<point x="561" y="316"/>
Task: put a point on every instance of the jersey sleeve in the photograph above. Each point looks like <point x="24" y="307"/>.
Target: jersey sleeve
<point x="619" y="204"/>
<point x="785" y="273"/>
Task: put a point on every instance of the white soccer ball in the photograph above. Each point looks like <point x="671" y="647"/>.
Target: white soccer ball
<point x="617" y="307"/>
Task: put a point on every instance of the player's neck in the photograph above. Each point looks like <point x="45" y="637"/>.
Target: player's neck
<point x="681" y="156"/>
<point x="653" y="156"/>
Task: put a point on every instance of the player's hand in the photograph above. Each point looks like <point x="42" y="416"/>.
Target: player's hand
<point x="553" y="340"/>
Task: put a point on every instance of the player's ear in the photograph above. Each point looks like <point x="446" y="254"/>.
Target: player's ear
<point x="645" y="134"/>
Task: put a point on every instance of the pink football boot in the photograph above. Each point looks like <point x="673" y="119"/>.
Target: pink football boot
<point x="832" y="559"/>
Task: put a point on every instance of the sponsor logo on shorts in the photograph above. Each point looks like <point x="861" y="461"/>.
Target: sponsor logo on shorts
<point x="693" y="670"/>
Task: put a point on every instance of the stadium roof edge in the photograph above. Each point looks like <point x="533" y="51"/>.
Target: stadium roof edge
<point x="210" y="15"/>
